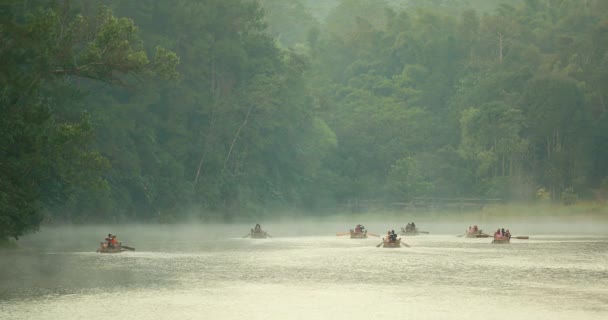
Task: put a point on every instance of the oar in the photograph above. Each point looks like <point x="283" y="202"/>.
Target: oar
<point x="373" y="234"/>
<point x="342" y="234"/>
<point x="268" y="235"/>
<point x="425" y="232"/>
<point x="405" y="244"/>
<point x="381" y="243"/>
<point x="460" y="235"/>
<point x="128" y="248"/>
<point x="522" y="237"/>
<point x="247" y="235"/>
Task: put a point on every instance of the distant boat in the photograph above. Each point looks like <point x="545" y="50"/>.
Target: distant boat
<point x="476" y="234"/>
<point x="259" y="234"/>
<point x="358" y="235"/>
<point x="104" y="248"/>
<point x="411" y="232"/>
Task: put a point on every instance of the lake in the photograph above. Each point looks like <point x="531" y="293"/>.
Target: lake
<point x="306" y="272"/>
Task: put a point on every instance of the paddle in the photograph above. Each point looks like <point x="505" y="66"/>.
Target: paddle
<point x="460" y="235"/>
<point x="373" y="234"/>
<point x="342" y="234"/>
<point x="381" y="243"/>
<point x="522" y="237"/>
<point x="128" y="248"/>
<point x="405" y="244"/>
<point x="425" y="232"/>
<point x="268" y="235"/>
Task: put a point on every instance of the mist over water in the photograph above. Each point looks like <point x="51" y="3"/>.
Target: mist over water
<point x="305" y="271"/>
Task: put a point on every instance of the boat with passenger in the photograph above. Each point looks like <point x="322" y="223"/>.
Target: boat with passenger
<point x="391" y="240"/>
<point x="475" y="232"/>
<point x="502" y="236"/>
<point x="112" y="245"/>
<point x="411" y="230"/>
<point x="392" y="244"/>
<point x="257" y="233"/>
<point x="358" y="233"/>
<point x="104" y="248"/>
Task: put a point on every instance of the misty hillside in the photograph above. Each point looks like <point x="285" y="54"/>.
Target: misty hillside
<point x="221" y="110"/>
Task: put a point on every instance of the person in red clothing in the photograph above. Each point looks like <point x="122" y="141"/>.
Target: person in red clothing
<point x="114" y="242"/>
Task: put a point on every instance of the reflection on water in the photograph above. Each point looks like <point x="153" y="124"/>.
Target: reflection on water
<point x="211" y="272"/>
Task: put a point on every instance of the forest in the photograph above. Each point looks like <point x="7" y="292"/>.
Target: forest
<point x="222" y="110"/>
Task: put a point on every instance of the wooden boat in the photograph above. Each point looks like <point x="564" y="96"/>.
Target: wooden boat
<point x="259" y="235"/>
<point x="478" y="234"/>
<point x="392" y="244"/>
<point x="104" y="248"/>
<point x="414" y="232"/>
<point x="358" y="235"/>
<point x="501" y="240"/>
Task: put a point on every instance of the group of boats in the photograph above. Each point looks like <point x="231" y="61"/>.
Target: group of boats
<point x="359" y="232"/>
<point x="500" y="236"/>
<point x="391" y="241"/>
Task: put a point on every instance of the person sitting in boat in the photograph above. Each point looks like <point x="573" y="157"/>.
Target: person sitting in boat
<point x="358" y="228"/>
<point x="413" y="226"/>
<point x="393" y="236"/>
<point x="475" y="229"/>
<point x="114" y="242"/>
<point x="108" y="239"/>
<point x="257" y="228"/>
<point x="502" y="233"/>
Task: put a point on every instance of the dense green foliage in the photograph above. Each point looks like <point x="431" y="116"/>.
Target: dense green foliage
<point x="248" y="107"/>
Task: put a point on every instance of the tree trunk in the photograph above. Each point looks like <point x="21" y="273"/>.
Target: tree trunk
<point x="236" y="135"/>
<point x="214" y="98"/>
<point x="500" y="47"/>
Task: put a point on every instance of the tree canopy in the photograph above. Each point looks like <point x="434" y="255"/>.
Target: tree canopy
<point x="159" y="111"/>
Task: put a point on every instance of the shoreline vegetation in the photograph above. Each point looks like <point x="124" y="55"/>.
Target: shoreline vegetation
<point x="496" y="212"/>
<point x="117" y="111"/>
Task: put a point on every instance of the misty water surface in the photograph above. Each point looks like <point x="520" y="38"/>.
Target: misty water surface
<point x="306" y="272"/>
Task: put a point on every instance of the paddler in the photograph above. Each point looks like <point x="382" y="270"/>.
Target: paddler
<point x="108" y="239"/>
<point x="114" y="242"/>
